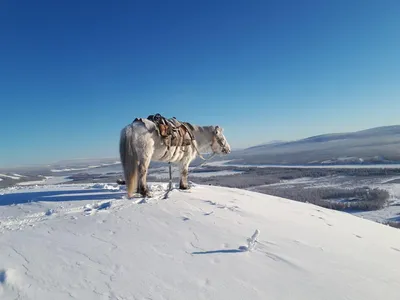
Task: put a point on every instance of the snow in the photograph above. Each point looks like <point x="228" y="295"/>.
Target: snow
<point x="11" y="176"/>
<point x="46" y="180"/>
<point x="227" y="163"/>
<point x="86" y="241"/>
<point x="106" y="186"/>
<point x="84" y="168"/>
<point x="163" y="172"/>
<point x="203" y="174"/>
<point x="18" y="175"/>
<point x="347" y="160"/>
<point x="72" y="169"/>
<point x="215" y="173"/>
<point x="388" y="213"/>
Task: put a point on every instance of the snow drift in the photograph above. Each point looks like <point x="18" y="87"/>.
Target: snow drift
<point x="88" y="242"/>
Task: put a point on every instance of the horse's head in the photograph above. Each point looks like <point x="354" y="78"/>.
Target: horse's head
<point x="219" y="143"/>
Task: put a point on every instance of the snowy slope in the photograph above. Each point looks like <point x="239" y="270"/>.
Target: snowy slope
<point x="88" y="242"/>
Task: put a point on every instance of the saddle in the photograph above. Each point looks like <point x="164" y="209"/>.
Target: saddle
<point x="172" y="131"/>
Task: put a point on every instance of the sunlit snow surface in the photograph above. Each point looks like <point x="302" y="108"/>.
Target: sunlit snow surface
<point x="86" y="241"/>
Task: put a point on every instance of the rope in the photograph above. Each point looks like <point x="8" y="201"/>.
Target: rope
<point x="170" y="176"/>
<point x="194" y="142"/>
<point x="170" y="182"/>
<point x="205" y="161"/>
<point x="170" y="173"/>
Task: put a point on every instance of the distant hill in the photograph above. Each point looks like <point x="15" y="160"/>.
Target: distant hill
<point x="375" y="145"/>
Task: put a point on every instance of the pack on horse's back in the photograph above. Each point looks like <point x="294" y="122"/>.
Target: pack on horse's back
<point x="173" y="132"/>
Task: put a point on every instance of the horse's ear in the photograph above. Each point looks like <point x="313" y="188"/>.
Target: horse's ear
<point x="218" y="129"/>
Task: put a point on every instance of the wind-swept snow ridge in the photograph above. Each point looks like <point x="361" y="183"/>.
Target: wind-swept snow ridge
<point x="90" y="242"/>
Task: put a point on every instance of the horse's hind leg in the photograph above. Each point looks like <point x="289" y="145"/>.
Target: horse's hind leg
<point x="143" y="169"/>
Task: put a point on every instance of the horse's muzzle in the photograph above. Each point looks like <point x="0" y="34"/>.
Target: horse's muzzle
<point x="226" y="150"/>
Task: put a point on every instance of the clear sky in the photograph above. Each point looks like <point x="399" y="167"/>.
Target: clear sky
<point x="73" y="73"/>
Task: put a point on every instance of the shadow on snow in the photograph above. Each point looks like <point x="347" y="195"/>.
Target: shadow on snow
<point x="218" y="251"/>
<point x="58" y="196"/>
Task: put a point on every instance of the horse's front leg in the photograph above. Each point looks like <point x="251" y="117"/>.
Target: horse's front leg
<point x="183" y="184"/>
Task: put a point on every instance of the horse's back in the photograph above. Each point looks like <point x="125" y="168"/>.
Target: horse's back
<point x="140" y="127"/>
<point x="142" y="135"/>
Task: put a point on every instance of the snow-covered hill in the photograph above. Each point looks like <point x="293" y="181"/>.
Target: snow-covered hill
<point x="88" y="242"/>
<point x="371" y="146"/>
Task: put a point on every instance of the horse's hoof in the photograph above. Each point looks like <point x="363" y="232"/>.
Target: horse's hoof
<point x="184" y="187"/>
<point x="145" y="193"/>
<point x="121" y="182"/>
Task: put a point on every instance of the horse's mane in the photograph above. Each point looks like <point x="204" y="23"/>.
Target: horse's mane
<point x="199" y="128"/>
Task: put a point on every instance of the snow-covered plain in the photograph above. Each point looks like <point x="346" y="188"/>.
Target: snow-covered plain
<point x="86" y="241"/>
<point x="160" y="173"/>
<point x="46" y="180"/>
<point x="230" y="163"/>
<point x="13" y="176"/>
<point x="388" y="213"/>
<point x="62" y="170"/>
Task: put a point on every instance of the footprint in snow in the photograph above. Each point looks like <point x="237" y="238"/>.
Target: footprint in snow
<point x="204" y="283"/>
<point x="225" y="245"/>
<point x="216" y="260"/>
<point x="49" y="212"/>
<point x="89" y="209"/>
<point x="2" y="276"/>
<point x="10" y="278"/>
<point x="211" y="202"/>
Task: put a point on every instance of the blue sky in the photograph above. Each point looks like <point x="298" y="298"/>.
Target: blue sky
<point x="73" y="73"/>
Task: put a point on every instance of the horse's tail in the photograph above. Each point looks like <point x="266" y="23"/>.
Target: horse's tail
<point x="129" y="159"/>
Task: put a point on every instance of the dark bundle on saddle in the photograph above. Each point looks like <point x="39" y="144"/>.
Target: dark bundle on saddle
<point x="173" y="132"/>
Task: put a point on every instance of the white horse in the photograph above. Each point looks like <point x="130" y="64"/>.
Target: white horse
<point x="140" y="143"/>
